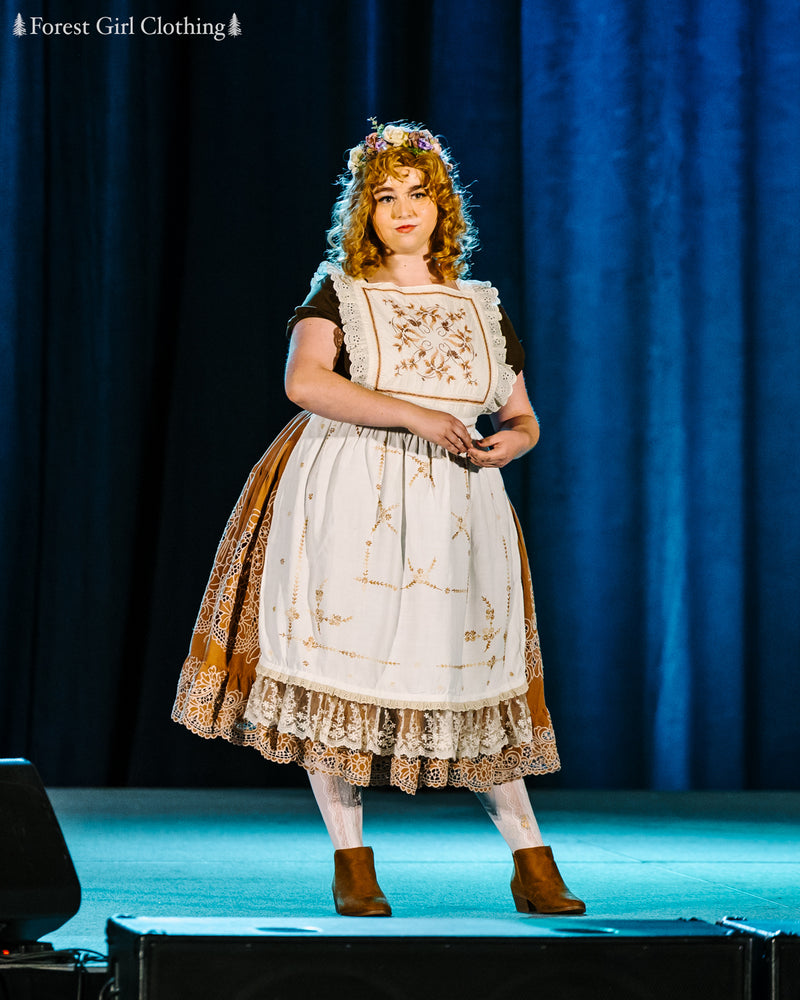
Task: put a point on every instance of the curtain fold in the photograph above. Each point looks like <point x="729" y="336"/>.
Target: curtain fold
<point x="636" y="171"/>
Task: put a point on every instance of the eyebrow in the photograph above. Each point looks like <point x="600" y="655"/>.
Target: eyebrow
<point x="388" y="190"/>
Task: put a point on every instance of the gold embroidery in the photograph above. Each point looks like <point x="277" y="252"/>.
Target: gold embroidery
<point x="443" y="359"/>
<point x="461" y="528"/>
<point x="488" y="633"/>
<point x="508" y="580"/>
<point x="424" y="469"/>
<point x="385" y="516"/>
<point x="365" y="580"/>
<point x="319" y="615"/>
<point x="432" y="341"/>
<point x="490" y="662"/>
<point x="421" y="576"/>
<point x="312" y="643"/>
<point x="424" y="465"/>
<point x="292" y="614"/>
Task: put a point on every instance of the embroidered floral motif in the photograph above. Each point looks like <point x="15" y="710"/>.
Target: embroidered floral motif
<point x="320" y="616"/>
<point x="424" y="470"/>
<point x="383" y="515"/>
<point x="461" y="527"/>
<point x="432" y="341"/>
<point x="420" y="575"/>
<point x="488" y="633"/>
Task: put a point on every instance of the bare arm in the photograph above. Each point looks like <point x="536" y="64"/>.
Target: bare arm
<point x="516" y="430"/>
<point x="312" y="383"/>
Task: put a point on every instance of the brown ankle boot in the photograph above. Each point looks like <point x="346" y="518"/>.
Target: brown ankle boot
<point x="537" y="886"/>
<point x="356" y="892"/>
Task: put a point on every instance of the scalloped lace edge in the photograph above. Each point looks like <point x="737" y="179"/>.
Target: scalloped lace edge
<point x="490" y="301"/>
<point x="351" y="320"/>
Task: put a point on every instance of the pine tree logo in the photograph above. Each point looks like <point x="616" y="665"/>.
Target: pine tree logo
<point x="234" y="27"/>
<point x="19" y="26"/>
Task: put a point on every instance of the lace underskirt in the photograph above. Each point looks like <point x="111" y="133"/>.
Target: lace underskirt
<point x="365" y="744"/>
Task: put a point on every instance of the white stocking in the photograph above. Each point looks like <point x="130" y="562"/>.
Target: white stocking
<point x="340" y="805"/>
<point x="510" y="809"/>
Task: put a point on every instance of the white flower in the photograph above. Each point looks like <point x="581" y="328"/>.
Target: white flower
<point x="394" y="135"/>
<point x="356" y="156"/>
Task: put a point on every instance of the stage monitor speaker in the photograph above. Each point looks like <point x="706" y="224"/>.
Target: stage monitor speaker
<point x="39" y="890"/>
<point x="64" y="983"/>
<point x="567" y="958"/>
<point x="776" y="956"/>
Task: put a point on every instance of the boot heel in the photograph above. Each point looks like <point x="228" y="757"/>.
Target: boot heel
<point x="522" y="904"/>
<point x="537" y="886"/>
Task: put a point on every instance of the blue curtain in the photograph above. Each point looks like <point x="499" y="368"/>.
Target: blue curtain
<point x="637" y="189"/>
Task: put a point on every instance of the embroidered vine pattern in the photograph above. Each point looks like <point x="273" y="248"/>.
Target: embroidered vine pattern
<point x="488" y="632"/>
<point x="432" y="341"/>
<point x="319" y="615"/>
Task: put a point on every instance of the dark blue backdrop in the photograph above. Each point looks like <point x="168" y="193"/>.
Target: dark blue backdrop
<point x="638" y="192"/>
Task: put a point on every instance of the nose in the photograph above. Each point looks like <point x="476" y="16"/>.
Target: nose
<point x="401" y="208"/>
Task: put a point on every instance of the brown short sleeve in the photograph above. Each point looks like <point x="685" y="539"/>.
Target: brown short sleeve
<point x="323" y="303"/>
<point x="515" y="352"/>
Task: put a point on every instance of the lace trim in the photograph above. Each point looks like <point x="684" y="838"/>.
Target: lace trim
<point x="405" y="732"/>
<point x="269" y="672"/>
<point x="206" y="707"/>
<point x="489" y="299"/>
<point x="351" y="321"/>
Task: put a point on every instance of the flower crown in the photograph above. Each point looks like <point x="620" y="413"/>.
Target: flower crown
<point x="418" y="140"/>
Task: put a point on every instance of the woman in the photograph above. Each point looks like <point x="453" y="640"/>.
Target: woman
<point x="369" y="615"/>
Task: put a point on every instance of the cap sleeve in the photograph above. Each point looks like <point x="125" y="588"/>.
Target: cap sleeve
<point x="323" y="302"/>
<point x="320" y="302"/>
<point x="515" y="352"/>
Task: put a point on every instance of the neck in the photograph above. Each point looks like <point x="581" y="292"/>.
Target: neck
<point x="404" y="270"/>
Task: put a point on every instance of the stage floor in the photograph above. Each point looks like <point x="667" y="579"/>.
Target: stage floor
<point x="630" y="855"/>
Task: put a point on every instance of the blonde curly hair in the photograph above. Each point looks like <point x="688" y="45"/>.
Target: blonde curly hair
<point x="355" y="246"/>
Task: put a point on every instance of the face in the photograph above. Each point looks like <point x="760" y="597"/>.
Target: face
<point x="404" y="214"/>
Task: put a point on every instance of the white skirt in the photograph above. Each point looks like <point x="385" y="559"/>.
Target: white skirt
<point x="391" y="580"/>
<point x="370" y="614"/>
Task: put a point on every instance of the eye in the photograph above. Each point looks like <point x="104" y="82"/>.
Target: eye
<point x="385" y="199"/>
<point x="418" y="195"/>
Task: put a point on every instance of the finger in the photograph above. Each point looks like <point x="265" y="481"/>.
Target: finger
<point x="462" y="433"/>
<point x="464" y="442"/>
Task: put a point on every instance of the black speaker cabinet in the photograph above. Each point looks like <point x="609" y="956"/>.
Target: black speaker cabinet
<point x="567" y="958"/>
<point x="66" y="983"/>
<point x="39" y="890"/>
<point x="776" y="956"/>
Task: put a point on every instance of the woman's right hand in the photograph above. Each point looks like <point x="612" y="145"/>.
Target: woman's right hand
<point x="440" y="428"/>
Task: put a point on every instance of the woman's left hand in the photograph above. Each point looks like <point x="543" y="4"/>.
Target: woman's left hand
<point x="516" y="430"/>
<point x="497" y="450"/>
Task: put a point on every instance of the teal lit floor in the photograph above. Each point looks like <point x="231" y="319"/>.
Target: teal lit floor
<point x="630" y="855"/>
